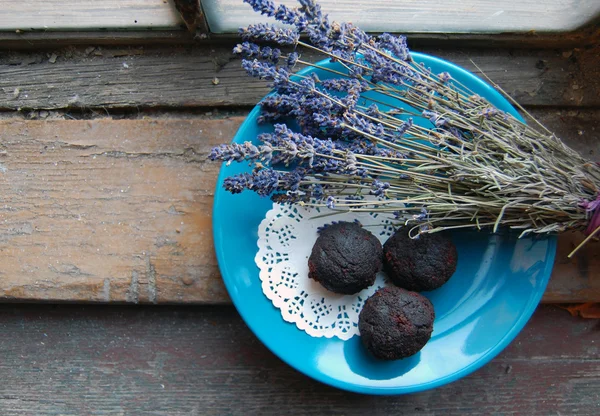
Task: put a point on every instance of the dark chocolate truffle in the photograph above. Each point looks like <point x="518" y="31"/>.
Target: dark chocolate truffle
<point x="395" y="323"/>
<point x="419" y="264"/>
<point x="345" y="258"/>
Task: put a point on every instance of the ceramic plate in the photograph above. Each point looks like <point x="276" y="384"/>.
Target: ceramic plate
<point x="498" y="283"/>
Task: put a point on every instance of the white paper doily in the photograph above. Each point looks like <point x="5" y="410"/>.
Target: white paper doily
<point x="285" y="240"/>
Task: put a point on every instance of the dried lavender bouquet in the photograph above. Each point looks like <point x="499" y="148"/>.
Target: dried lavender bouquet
<point x="439" y="156"/>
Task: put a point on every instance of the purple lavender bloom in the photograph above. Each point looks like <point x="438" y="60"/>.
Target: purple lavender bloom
<point x="312" y="10"/>
<point x="391" y="153"/>
<point x="228" y="152"/>
<point x="269" y="33"/>
<point x="396" y="45"/>
<point x="373" y="111"/>
<point x="271" y="54"/>
<point x="265" y="181"/>
<point x="246" y="49"/>
<point x="240" y="152"/>
<point x="291" y="17"/>
<point x="317" y="191"/>
<point x="292" y="59"/>
<point x="291" y="180"/>
<point x="444" y="77"/>
<point x="435" y="118"/>
<point x="344" y="84"/>
<point x="330" y="202"/>
<point x="354" y="198"/>
<point x="401" y="131"/>
<point x="379" y="188"/>
<point x="357" y="34"/>
<point x="422" y="216"/>
<point x="264" y="70"/>
<point x="236" y="184"/>
<point x="279" y="103"/>
<point x="351" y="167"/>
<point x="360" y="123"/>
<point x="250" y="50"/>
<point x="266" y="7"/>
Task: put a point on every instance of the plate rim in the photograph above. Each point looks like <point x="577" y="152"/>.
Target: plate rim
<point x="485" y="358"/>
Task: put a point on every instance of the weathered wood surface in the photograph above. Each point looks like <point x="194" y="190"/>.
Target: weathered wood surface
<point x="427" y="15"/>
<point x="120" y="210"/>
<point x="34" y="40"/>
<point x="71" y="360"/>
<point x="88" y="14"/>
<point x="189" y="77"/>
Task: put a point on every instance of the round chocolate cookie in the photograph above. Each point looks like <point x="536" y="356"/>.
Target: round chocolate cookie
<point x="419" y="264"/>
<point x="345" y="258"/>
<point x="395" y="323"/>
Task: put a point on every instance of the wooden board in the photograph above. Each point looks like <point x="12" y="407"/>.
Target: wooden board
<point x="71" y="360"/>
<point x="120" y="211"/>
<point x="426" y="15"/>
<point x="469" y="16"/>
<point x="88" y="15"/>
<point x="190" y="77"/>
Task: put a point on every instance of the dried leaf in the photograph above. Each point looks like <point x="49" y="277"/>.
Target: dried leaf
<point x="588" y="310"/>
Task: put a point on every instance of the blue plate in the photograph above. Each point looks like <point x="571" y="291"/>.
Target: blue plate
<point x="497" y="286"/>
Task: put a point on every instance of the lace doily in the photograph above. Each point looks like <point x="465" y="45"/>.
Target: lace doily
<point x="285" y="240"/>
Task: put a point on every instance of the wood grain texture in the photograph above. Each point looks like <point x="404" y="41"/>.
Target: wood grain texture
<point x="71" y="360"/>
<point x="120" y="211"/>
<point x="186" y="77"/>
<point x="88" y="15"/>
<point x="427" y="15"/>
<point x="109" y="210"/>
<point x="35" y="40"/>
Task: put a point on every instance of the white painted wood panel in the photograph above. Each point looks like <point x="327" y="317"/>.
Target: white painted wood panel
<point x="88" y="14"/>
<point x="490" y="16"/>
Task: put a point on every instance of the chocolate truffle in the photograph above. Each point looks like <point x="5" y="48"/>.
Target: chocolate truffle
<point x="419" y="264"/>
<point x="395" y="323"/>
<point x="345" y="258"/>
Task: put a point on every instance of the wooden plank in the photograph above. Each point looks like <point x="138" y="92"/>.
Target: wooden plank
<point x="204" y="361"/>
<point x="426" y="15"/>
<point x="586" y="37"/>
<point x="226" y="16"/>
<point x="109" y="210"/>
<point x="185" y="77"/>
<point x="88" y="15"/>
<point x="120" y="211"/>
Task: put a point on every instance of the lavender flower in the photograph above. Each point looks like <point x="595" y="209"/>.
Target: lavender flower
<point x="330" y="202"/>
<point x="264" y="70"/>
<point x="435" y="118"/>
<point x="346" y="145"/>
<point x="379" y="188"/>
<point x="240" y="152"/>
<point x="317" y="191"/>
<point x="401" y="131"/>
<point x="250" y="50"/>
<point x="422" y="216"/>
<point x="264" y="7"/>
<point x="269" y="33"/>
<point x="265" y="181"/>
<point x="444" y="77"/>
<point x="291" y="17"/>
<point x="292" y="59"/>
<point x="396" y="45"/>
<point x="236" y="184"/>
<point x="312" y="11"/>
